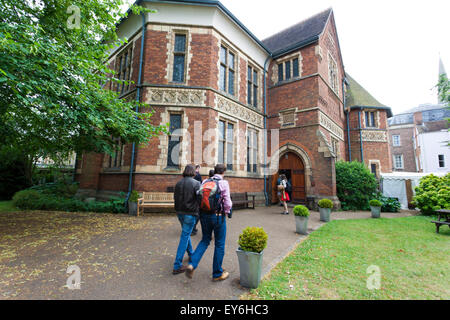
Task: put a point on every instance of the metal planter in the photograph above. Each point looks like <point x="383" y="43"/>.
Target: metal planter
<point x="301" y="225"/>
<point x="376" y="212"/>
<point x="250" y="265"/>
<point x="132" y="208"/>
<point x="325" y="214"/>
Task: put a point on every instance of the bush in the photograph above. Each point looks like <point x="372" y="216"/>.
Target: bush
<point x="326" y="203"/>
<point x="355" y="184"/>
<point x="58" y="189"/>
<point x="301" y="211"/>
<point x="26" y="199"/>
<point x="389" y="204"/>
<point x="134" y="196"/>
<point x="375" y="203"/>
<point x="253" y="239"/>
<point x="433" y="193"/>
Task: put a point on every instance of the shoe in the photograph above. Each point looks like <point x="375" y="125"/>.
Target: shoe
<point x="189" y="271"/>
<point x="181" y="270"/>
<point x="224" y="276"/>
<point x="194" y="232"/>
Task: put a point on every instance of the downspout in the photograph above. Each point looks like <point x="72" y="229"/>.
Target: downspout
<point x="360" y="136"/>
<point x="138" y="98"/>
<point x="347" y="113"/>
<point x="265" y="128"/>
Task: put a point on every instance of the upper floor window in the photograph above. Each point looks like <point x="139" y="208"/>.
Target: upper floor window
<point x="179" y="58"/>
<point x="227" y="70"/>
<point x="226" y="144"/>
<point x="123" y="69"/>
<point x="252" y="151"/>
<point x="333" y="74"/>
<point x="398" y="161"/>
<point x="396" y="141"/>
<point x="173" y="155"/>
<point x="288" y="69"/>
<point x="441" y="161"/>
<point x="252" y="87"/>
<point x="370" y="119"/>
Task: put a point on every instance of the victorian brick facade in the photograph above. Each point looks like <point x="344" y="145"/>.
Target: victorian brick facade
<point x="220" y="88"/>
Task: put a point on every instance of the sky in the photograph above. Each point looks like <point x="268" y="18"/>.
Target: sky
<point x="391" y="48"/>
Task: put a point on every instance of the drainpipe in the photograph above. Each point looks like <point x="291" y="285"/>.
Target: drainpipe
<point x="265" y="128"/>
<point x="360" y="136"/>
<point x="347" y="113"/>
<point x="138" y="98"/>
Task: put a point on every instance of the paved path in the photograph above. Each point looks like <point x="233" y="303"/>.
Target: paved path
<point x="137" y="264"/>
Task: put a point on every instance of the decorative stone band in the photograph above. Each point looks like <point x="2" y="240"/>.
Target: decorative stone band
<point x="331" y="126"/>
<point x="374" y="135"/>
<point x="238" y="111"/>
<point x="176" y="97"/>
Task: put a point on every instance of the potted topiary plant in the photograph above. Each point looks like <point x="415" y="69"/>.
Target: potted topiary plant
<point x="375" y="208"/>
<point x="252" y="243"/>
<point x="133" y="203"/>
<point x="301" y="214"/>
<point x="325" y="206"/>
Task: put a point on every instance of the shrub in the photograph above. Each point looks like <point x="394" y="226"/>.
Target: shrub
<point x="355" y="185"/>
<point x="253" y="239"/>
<point x="26" y="199"/>
<point x="389" y="204"/>
<point x="134" y="196"/>
<point x="301" y="211"/>
<point x="326" y="203"/>
<point x="57" y="189"/>
<point x="375" y="203"/>
<point x="433" y="193"/>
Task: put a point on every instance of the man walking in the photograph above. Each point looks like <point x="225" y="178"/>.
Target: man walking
<point x="187" y="208"/>
<point x="213" y="221"/>
<point x="197" y="177"/>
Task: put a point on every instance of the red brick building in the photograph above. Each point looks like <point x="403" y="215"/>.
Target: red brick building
<point x="221" y="89"/>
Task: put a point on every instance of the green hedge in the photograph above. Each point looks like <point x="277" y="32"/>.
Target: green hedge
<point x="355" y="184"/>
<point x="34" y="200"/>
<point x="433" y="193"/>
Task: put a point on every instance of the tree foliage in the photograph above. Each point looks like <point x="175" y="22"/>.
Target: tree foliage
<point x="355" y="185"/>
<point x="52" y="99"/>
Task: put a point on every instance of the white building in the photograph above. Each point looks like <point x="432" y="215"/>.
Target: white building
<point x="434" y="155"/>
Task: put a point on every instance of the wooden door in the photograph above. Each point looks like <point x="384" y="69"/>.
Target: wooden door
<point x="292" y="166"/>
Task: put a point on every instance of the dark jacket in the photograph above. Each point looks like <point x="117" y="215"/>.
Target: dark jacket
<point x="198" y="177"/>
<point x="186" y="199"/>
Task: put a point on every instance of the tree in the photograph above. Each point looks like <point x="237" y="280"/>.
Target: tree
<point x="52" y="100"/>
<point x="444" y="89"/>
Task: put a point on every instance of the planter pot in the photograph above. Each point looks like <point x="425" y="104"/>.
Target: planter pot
<point x="250" y="265"/>
<point x="301" y="224"/>
<point x="325" y="214"/>
<point x="376" y="211"/>
<point x="132" y="208"/>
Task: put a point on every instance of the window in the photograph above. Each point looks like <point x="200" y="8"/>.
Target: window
<point x="227" y="70"/>
<point x="123" y="69"/>
<point x="226" y="144"/>
<point x="252" y="151"/>
<point x="280" y="72"/>
<point x="370" y="119"/>
<point x="288" y="70"/>
<point x="115" y="159"/>
<point x="252" y="87"/>
<point x="173" y="155"/>
<point x="333" y="74"/>
<point x="396" y="141"/>
<point x="398" y="161"/>
<point x="295" y="66"/>
<point x="179" y="58"/>
<point x="373" y="168"/>
<point x="287" y="66"/>
<point x="441" y="161"/>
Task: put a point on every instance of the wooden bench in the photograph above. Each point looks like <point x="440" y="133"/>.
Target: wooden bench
<point x="155" y="200"/>
<point x="442" y="214"/>
<point x="241" y="201"/>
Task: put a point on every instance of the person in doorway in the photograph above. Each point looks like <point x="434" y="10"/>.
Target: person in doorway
<point x="284" y="195"/>
<point x="212" y="218"/>
<point x="187" y="207"/>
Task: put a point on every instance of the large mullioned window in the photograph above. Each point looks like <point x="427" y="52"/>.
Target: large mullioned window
<point x="252" y="87"/>
<point x="227" y="70"/>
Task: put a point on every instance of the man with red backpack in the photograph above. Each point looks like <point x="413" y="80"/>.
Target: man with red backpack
<point x="214" y="207"/>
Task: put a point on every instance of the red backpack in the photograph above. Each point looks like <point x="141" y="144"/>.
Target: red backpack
<point x="210" y="196"/>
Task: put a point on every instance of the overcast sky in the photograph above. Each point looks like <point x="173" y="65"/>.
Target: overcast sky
<point x="391" y="47"/>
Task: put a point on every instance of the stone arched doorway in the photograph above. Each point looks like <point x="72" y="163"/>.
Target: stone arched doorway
<point x="293" y="167"/>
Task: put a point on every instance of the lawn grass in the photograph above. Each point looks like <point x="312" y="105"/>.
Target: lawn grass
<point x="7" y="206"/>
<point x="332" y="263"/>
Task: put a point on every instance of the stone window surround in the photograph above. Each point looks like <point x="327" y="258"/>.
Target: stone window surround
<point x="249" y="130"/>
<point x="333" y="64"/>
<point x="282" y="61"/>
<point x="171" y="33"/>
<point x="236" y="149"/>
<point x="378" y="165"/>
<point x="258" y="84"/>
<point x="377" y="118"/>
<point x="237" y="74"/>
<point x="107" y="159"/>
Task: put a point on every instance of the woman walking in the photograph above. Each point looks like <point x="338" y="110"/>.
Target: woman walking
<point x="284" y="195"/>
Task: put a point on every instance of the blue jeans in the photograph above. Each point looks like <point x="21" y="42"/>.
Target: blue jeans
<point x="217" y="224"/>
<point x="187" y="224"/>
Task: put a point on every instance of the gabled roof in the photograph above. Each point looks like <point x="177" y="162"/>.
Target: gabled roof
<point x="358" y="97"/>
<point x="299" y="35"/>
